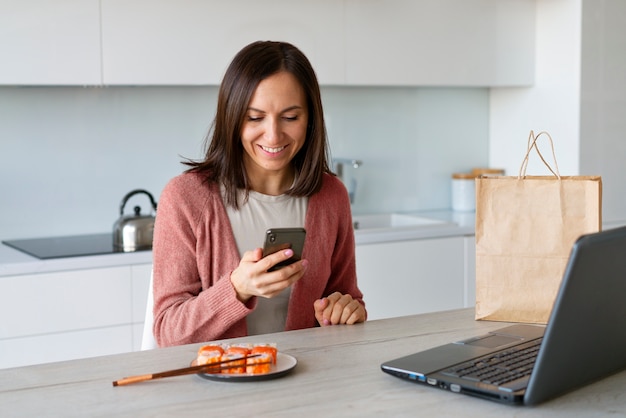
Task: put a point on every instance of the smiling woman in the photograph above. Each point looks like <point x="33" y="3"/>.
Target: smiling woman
<point x="266" y="166"/>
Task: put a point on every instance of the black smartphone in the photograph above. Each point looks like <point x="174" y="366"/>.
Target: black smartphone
<point x="277" y="239"/>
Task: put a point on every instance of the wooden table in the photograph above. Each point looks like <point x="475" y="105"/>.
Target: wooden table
<point x="338" y="374"/>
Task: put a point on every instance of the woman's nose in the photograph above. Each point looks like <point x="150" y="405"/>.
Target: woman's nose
<point x="272" y="130"/>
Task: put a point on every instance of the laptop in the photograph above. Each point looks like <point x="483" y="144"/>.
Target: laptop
<point x="584" y="341"/>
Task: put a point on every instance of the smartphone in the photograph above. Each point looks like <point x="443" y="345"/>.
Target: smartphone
<point x="277" y="239"/>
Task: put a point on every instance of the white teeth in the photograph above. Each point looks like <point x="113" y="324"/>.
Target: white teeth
<point x="272" y="150"/>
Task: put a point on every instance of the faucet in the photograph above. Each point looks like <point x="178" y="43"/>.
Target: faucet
<point x="338" y="168"/>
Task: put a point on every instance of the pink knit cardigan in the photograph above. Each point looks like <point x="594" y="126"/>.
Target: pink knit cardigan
<point x="194" y="253"/>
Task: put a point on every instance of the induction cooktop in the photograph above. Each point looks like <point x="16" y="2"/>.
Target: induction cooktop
<point x="67" y="246"/>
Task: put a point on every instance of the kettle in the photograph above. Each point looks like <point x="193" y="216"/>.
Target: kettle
<point x="134" y="232"/>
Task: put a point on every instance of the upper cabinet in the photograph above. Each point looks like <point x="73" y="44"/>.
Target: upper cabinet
<point x="190" y="42"/>
<point x="440" y="42"/>
<point x="148" y="42"/>
<point x="45" y="42"/>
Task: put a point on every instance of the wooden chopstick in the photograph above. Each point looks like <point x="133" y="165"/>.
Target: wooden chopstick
<point x="214" y="367"/>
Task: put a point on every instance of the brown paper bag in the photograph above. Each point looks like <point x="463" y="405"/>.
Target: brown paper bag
<point x="525" y="229"/>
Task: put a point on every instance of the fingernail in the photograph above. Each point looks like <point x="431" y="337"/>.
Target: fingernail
<point x="305" y="263"/>
<point x="326" y="322"/>
<point x="289" y="252"/>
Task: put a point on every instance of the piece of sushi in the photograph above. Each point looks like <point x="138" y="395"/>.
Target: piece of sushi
<point x="259" y="365"/>
<point x="266" y="349"/>
<point x="241" y="350"/>
<point x="209" y="354"/>
<point x="236" y="364"/>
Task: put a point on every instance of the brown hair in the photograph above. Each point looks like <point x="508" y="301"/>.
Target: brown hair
<point x="223" y="162"/>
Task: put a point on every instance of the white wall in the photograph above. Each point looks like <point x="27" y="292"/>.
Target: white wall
<point x="579" y="97"/>
<point x="410" y="140"/>
<point x="603" y="100"/>
<point x="69" y="155"/>
<point x="552" y="104"/>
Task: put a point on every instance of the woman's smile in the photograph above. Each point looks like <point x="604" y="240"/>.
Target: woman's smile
<point x="272" y="150"/>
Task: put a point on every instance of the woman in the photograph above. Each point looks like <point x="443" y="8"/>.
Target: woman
<point x="266" y="166"/>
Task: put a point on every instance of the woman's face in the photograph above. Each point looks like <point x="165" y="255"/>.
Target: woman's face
<point x="275" y="126"/>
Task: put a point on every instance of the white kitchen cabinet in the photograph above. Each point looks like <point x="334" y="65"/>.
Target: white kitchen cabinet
<point x="349" y="42"/>
<point x="470" y="271"/>
<point x="147" y="42"/>
<point x="61" y="346"/>
<point x="353" y="42"/>
<point x="46" y="42"/>
<point x="71" y="314"/>
<point x="409" y="277"/>
<point x="440" y="42"/>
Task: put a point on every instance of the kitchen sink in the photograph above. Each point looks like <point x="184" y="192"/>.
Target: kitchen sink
<point x="392" y="221"/>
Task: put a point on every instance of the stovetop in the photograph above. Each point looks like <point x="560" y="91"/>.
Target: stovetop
<point x="68" y="246"/>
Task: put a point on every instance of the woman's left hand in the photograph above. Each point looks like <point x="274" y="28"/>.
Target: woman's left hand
<point x="338" y="309"/>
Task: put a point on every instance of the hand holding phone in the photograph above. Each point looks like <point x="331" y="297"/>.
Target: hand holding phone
<point x="277" y="239"/>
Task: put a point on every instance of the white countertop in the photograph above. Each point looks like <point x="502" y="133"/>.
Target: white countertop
<point x="454" y="224"/>
<point x="14" y="262"/>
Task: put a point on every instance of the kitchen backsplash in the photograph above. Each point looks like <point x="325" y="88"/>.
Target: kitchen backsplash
<point x="69" y="155"/>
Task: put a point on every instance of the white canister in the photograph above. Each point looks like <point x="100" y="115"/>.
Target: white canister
<point x="463" y="192"/>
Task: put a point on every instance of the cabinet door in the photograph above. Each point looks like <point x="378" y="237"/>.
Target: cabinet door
<point x="65" y="301"/>
<point x="470" y="271"/>
<point x="46" y="42"/>
<point x="440" y="42"/>
<point x="65" y="315"/>
<point x="46" y="348"/>
<point x="411" y="277"/>
<point x="147" y="42"/>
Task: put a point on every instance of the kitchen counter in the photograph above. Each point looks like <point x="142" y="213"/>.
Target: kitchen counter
<point x="14" y="262"/>
<point x="452" y="224"/>
<point x="338" y="374"/>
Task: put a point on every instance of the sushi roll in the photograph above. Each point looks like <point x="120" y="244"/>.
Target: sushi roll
<point x="239" y="350"/>
<point x="271" y="350"/>
<point x="209" y="354"/>
<point x="236" y="364"/>
<point x="231" y="359"/>
<point x="259" y="365"/>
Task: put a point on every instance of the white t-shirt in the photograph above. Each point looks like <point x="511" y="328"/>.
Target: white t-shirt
<point x="254" y="217"/>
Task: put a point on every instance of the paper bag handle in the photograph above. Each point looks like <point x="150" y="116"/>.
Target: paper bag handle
<point x="532" y="143"/>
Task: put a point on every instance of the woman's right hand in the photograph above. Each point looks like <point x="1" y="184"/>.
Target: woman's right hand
<point x="252" y="278"/>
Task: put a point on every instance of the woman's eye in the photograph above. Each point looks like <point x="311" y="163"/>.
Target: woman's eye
<point x="254" y="118"/>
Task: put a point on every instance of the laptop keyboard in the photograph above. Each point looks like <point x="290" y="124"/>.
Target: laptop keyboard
<point x="499" y="368"/>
